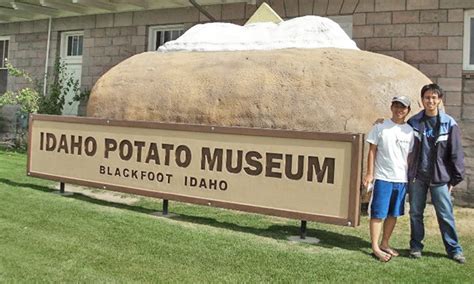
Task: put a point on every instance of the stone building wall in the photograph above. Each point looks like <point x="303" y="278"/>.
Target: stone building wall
<point x="466" y="191"/>
<point x="427" y="34"/>
<point x="27" y="49"/>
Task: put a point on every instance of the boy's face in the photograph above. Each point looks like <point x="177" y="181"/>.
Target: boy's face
<point x="430" y="101"/>
<point x="399" y="111"/>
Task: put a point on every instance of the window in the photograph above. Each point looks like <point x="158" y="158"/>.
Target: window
<point x="158" y="35"/>
<point x="468" y="59"/>
<point x="3" y="69"/>
<point x="72" y="46"/>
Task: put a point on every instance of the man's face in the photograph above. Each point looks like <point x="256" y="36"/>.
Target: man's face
<point x="430" y="101"/>
<point x="399" y="111"/>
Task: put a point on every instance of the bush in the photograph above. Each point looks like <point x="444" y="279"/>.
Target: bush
<point x="26" y="98"/>
<point x="31" y="100"/>
<point x="58" y="88"/>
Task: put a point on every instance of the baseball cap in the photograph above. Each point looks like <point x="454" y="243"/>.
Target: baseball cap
<point x="402" y="99"/>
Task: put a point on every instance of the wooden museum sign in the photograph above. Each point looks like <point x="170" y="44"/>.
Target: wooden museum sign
<point x="300" y="175"/>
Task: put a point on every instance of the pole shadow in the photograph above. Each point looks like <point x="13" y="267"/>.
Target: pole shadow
<point x="79" y="196"/>
<point x="327" y="238"/>
<point x="43" y="188"/>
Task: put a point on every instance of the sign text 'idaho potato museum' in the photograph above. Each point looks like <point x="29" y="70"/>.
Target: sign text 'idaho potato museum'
<point x="301" y="175"/>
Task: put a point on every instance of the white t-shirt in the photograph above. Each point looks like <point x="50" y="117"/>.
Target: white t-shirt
<point x="394" y="142"/>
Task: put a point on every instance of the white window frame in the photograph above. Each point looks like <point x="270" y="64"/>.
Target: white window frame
<point x="468" y="15"/>
<point x="5" y="38"/>
<point x="75" y="58"/>
<point x="152" y="33"/>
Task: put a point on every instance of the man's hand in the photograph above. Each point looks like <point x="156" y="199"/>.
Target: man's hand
<point x="450" y="188"/>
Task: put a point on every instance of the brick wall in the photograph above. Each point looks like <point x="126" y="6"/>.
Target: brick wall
<point x="466" y="189"/>
<point x="27" y="51"/>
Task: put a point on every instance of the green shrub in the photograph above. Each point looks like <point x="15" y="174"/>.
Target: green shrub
<point x="31" y="100"/>
<point x="27" y="98"/>
<point x="57" y="90"/>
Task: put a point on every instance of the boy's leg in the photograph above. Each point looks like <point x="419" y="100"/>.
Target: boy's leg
<point x="441" y="199"/>
<point x="379" y="206"/>
<point x="417" y="197"/>
<point x="388" y="227"/>
<point x="375" y="229"/>
<point x="396" y="209"/>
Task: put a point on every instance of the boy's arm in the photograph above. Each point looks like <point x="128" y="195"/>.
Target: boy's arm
<point x="456" y="156"/>
<point x="369" y="176"/>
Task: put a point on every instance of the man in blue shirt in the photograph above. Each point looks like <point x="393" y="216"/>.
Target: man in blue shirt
<point x="437" y="166"/>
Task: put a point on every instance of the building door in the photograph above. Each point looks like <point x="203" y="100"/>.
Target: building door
<point x="71" y="55"/>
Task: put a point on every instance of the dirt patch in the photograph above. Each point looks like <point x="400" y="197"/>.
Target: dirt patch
<point x="110" y="196"/>
<point x="464" y="220"/>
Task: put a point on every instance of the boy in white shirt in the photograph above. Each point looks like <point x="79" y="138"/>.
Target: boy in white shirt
<point x="387" y="166"/>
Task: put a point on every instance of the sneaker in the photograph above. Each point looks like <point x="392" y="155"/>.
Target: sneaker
<point x="459" y="258"/>
<point x="415" y="253"/>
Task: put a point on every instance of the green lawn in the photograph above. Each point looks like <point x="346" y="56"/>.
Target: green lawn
<point x="45" y="237"/>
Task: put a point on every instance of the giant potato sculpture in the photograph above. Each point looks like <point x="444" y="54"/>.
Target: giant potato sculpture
<point x="325" y="89"/>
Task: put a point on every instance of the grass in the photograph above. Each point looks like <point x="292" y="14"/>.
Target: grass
<point x="45" y="237"/>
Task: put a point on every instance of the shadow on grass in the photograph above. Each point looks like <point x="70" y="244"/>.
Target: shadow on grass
<point x="406" y="253"/>
<point x="78" y="196"/>
<point x="280" y="232"/>
<point x="327" y="238"/>
<point x="27" y="185"/>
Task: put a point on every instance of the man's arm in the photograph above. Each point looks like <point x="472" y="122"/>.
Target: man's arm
<point x="456" y="156"/>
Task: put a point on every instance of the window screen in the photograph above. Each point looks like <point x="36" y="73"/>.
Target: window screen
<point x="3" y="69"/>
<point x="163" y="36"/>
<point x="74" y="45"/>
<point x="471" y="51"/>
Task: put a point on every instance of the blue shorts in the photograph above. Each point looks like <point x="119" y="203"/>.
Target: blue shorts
<point x="388" y="199"/>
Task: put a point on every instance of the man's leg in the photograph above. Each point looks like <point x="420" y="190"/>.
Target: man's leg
<point x="375" y="229"/>
<point x="417" y="197"/>
<point x="441" y="199"/>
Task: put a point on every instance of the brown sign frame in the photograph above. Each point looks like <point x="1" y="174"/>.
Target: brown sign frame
<point x="356" y="141"/>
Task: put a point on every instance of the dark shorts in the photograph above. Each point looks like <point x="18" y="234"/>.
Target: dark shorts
<point x="388" y="199"/>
